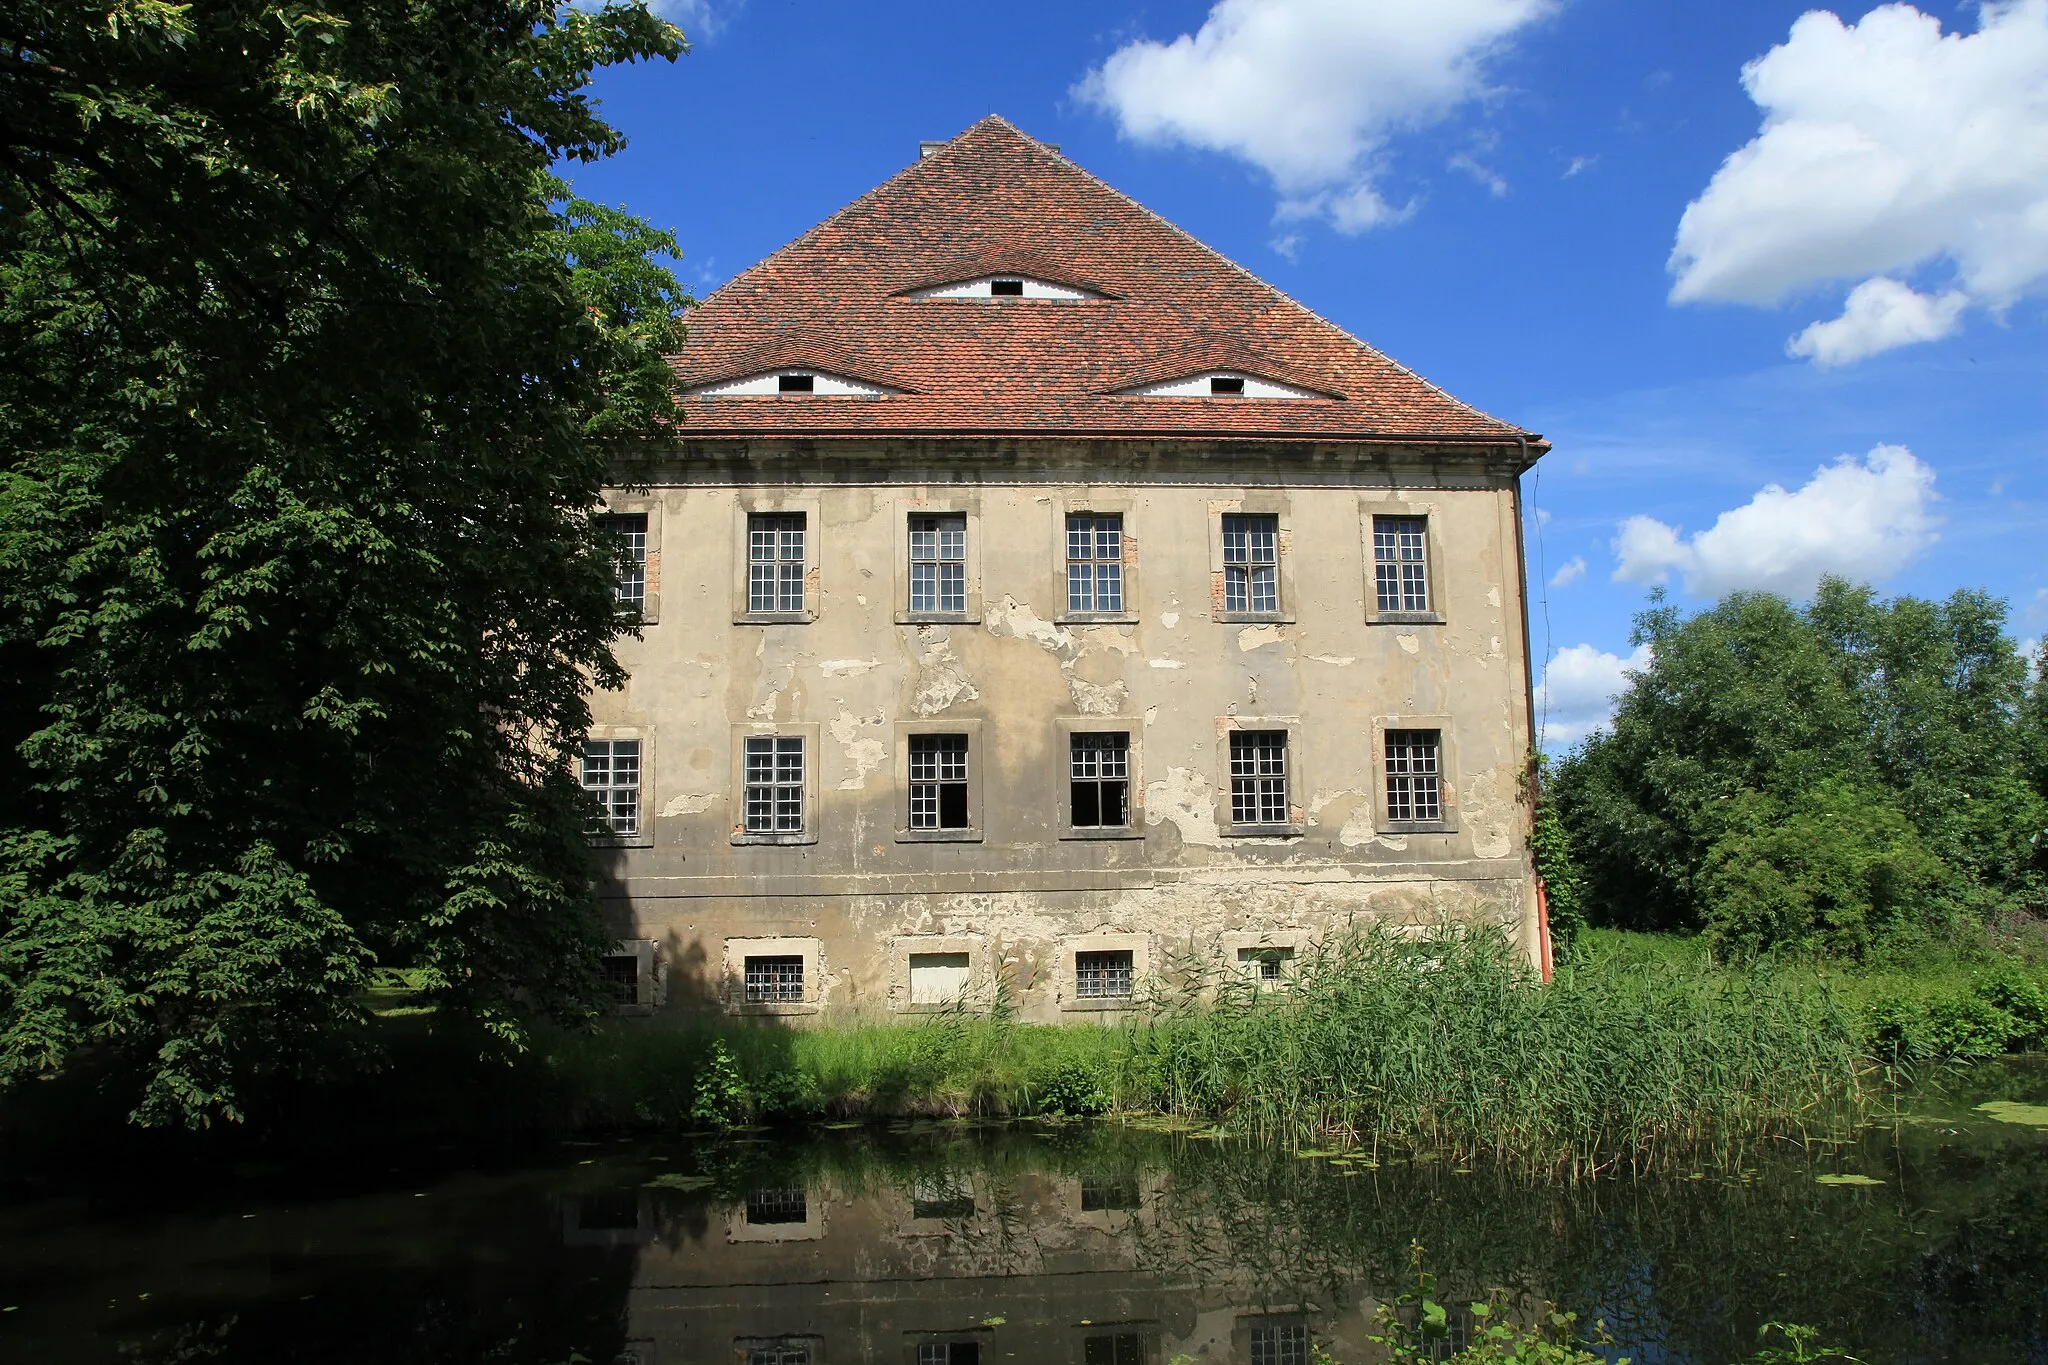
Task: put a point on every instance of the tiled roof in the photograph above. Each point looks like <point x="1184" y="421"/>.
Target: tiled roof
<point x="993" y="201"/>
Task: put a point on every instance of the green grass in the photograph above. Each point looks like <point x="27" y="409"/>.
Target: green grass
<point x="1642" y="1053"/>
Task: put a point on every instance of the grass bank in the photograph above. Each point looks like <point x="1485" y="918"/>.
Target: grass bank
<point x="1642" y="1052"/>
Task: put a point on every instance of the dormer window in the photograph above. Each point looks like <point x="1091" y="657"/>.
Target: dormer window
<point x="1220" y="384"/>
<point x="1004" y="287"/>
<point x="805" y="381"/>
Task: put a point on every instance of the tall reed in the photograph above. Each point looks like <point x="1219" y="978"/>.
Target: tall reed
<point x="1448" y="1045"/>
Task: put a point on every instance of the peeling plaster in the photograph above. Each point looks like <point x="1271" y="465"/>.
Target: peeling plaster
<point x="1410" y="644"/>
<point x="942" y="681"/>
<point x="847" y="668"/>
<point x="865" y="755"/>
<point x="1091" y="700"/>
<point x="1169" y="619"/>
<point x="1335" y="660"/>
<point x="1257" y="637"/>
<point x="1187" y="801"/>
<point x="1014" y="618"/>
<point x="1165" y="663"/>
<point x="1487" y="817"/>
<point x="690" y="803"/>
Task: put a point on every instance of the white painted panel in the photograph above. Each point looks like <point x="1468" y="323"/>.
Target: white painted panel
<point x="829" y="385"/>
<point x="1197" y="386"/>
<point x="937" y="978"/>
<point x="984" y="288"/>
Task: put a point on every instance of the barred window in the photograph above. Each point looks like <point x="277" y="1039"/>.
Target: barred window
<point x="1258" y="777"/>
<point x="630" y="545"/>
<point x="779" y="1355"/>
<point x="938" y="563"/>
<point x="777" y="1204"/>
<point x="775" y="562"/>
<point x="942" y="1196"/>
<point x="1251" y="563"/>
<point x="611" y="773"/>
<point x="1095" y="562"/>
<point x="775" y="980"/>
<point x="1105" y="1193"/>
<point x="938" y="782"/>
<point x="1414" y="775"/>
<point x="1285" y="1344"/>
<point x="1400" y="563"/>
<point x="775" y="784"/>
<point x="1099" y="771"/>
<point x="950" y="1352"/>
<point x="622" y="977"/>
<point x="1103" y="975"/>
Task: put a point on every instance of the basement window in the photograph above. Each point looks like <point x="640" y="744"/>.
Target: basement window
<point x="775" y="980"/>
<point x="1226" y="386"/>
<point x="622" y="977"/>
<point x="795" y="383"/>
<point x="1103" y="975"/>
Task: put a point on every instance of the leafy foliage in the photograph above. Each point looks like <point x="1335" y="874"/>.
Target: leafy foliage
<point x="309" y="377"/>
<point x="1818" y="776"/>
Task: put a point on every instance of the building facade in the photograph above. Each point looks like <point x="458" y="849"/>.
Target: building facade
<point x="1038" y="605"/>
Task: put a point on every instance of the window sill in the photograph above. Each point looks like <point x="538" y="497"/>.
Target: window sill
<point x="938" y="836"/>
<point x="1418" y="827"/>
<point x="622" y="841"/>
<point x="774" y="618"/>
<point x="1253" y="618"/>
<point x="1095" y="618"/>
<point x="1261" y="831"/>
<point x="1404" y="618"/>
<point x="1098" y="835"/>
<point x="775" y="840"/>
<point x="764" y="1007"/>
<point x="938" y="618"/>
<point x="1099" y="1004"/>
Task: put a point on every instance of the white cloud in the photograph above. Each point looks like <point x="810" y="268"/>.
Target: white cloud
<point x="1886" y="146"/>
<point x="1494" y="182"/>
<point x="1570" y="572"/>
<point x="1577" y="693"/>
<point x="1878" y="315"/>
<point x="1310" y="91"/>
<point x="1580" y="163"/>
<point x="1863" y="519"/>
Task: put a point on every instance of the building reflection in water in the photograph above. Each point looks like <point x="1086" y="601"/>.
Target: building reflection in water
<point x="966" y="1267"/>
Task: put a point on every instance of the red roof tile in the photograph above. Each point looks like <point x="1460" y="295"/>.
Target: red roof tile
<point x="993" y="201"/>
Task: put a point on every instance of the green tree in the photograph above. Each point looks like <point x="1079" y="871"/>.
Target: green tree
<point x="1817" y="775"/>
<point x="310" y="374"/>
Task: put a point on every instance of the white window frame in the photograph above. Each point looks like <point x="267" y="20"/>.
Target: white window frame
<point x="1258" y="503"/>
<point x="968" y="509"/>
<point x="977" y="765"/>
<point x="812" y="735"/>
<point x="642" y="833"/>
<point x="1295" y="777"/>
<point x="1447" y="775"/>
<point x="752" y="503"/>
<point x="621" y="503"/>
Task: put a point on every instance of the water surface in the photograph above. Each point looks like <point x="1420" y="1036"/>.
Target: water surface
<point x="967" y="1244"/>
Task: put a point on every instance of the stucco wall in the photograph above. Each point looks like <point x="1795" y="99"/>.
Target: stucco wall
<point x="856" y="894"/>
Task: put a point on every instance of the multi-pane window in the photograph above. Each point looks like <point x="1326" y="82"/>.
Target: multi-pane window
<point x="1107" y="1193"/>
<point x="1258" y="777"/>
<point x="938" y="563"/>
<point x="949" y="1352"/>
<point x="777" y="1204"/>
<point x="1414" y="775"/>
<point x="1099" y="769"/>
<point x="1125" y="1348"/>
<point x="1095" y="562"/>
<point x="1400" y="562"/>
<point x="1105" y="975"/>
<point x="775" y="562"/>
<point x="938" y="782"/>
<point x="622" y="977"/>
<point x="1265" y="965"/>
<point x="775" y="980"/>
<point x="630" y="544"/>
<point x="611" y="773"/>
<point x="1286" y="1344"/>
<point x="775" y="784"/>
<point x="1251" y="563"/>
<point x="779" y="1355"/>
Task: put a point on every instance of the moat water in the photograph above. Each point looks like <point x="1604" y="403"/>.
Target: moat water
<point x="981" y="1245"/>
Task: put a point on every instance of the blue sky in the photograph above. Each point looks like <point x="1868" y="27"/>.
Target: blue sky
<point x="1491" y="192"/>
